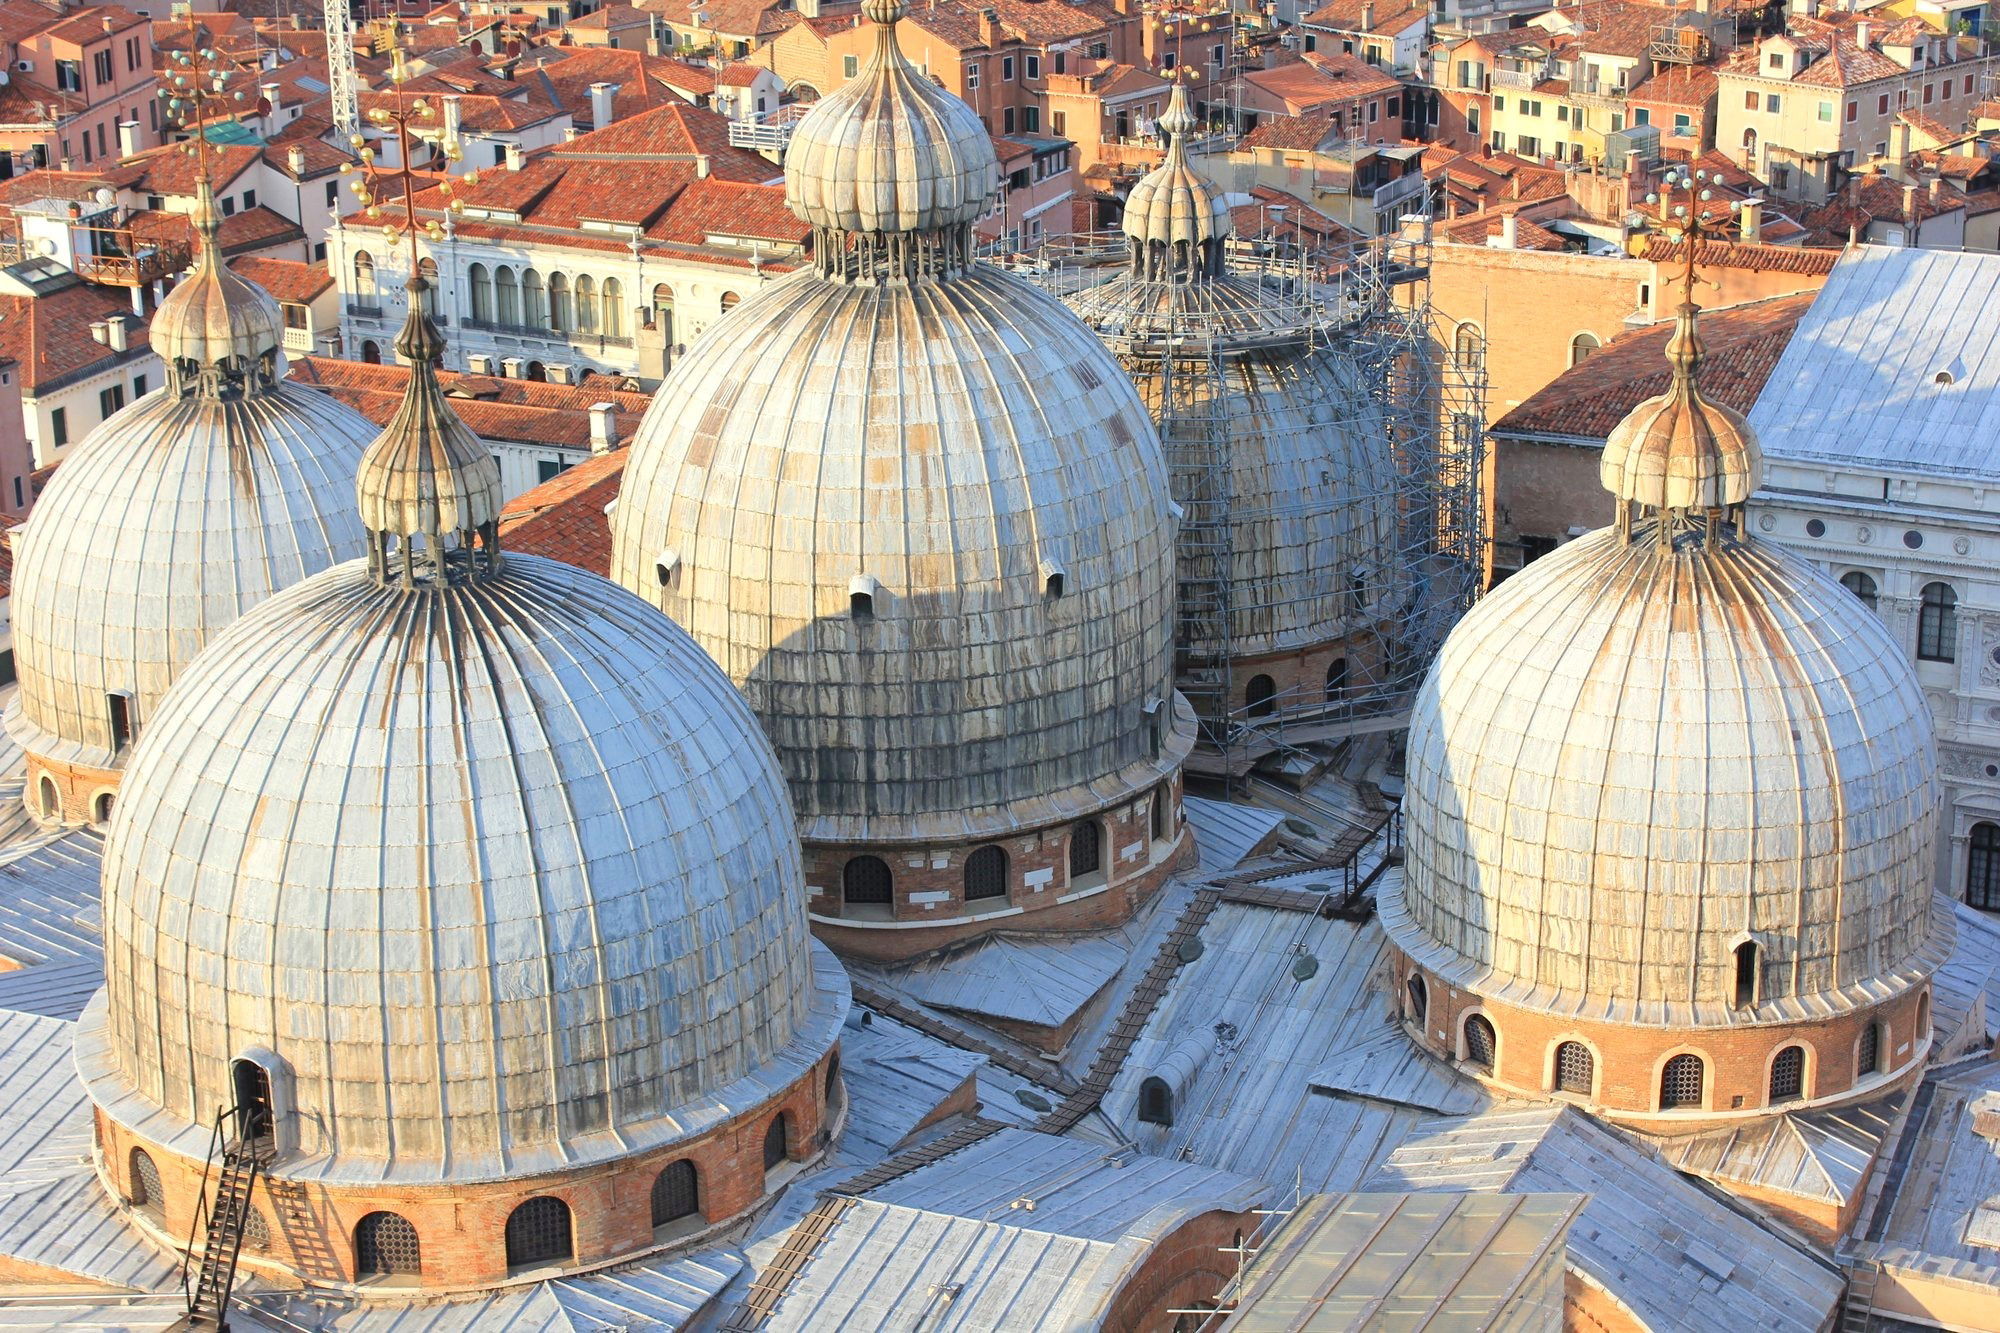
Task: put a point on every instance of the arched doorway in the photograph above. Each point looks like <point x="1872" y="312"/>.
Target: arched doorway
<point x="371" y="353"/>
<point x="537" y="372"/>
<point x="251" y="1084"/>
<point x="1982" y="867"/>
<point x="1261" y="695"/>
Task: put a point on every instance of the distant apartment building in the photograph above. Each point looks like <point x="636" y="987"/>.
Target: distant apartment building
<point x="79" y="85"/>
<point x="1391" y="34"/>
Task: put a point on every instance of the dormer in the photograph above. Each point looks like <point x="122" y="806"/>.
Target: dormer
<point x="1780" y="57"/>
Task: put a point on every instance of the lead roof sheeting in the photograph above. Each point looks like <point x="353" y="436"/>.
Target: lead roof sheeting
<point x="1972" y="971"/>
<point x="1951" y="1172"/>
<point x="895" y="1077"/>
<point x="1857" y="385"/>
<point x="1225" y="832"/>
<point x="1822" y="1155"/>
<point x="53" y="990"/>
<point x="49" y="898"/>
<point x="1029" y="979"/>
<point x="1672" y="1250"/>
<point x="45" y="1129"/>
<point x="69" y="1224"/>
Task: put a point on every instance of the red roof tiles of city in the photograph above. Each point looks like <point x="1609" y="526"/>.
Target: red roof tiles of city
<point x="564" y="517"/>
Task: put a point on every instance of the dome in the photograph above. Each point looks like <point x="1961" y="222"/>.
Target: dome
<point x="1628" y="760"/>
<point x="499" y="868"/>
<point x="162" y="526"/>
<point x="1679" y="450"/>
<point x="890" y="151"/>
<point x="1174" y="203"/>
<point x="950" y="604"/>
<point x="215" y="316"/>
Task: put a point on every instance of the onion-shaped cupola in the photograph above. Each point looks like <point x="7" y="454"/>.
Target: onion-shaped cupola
<point x="165" y="523"/>
<point x="1176" y="220"/>
<point x="921" y="517"/>
<point x="1668" y="780"/>
<point x="480" y="881"/>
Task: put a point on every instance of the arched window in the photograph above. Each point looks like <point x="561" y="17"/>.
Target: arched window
<point x="1581" y="346"/>
<point x="370" y="353"/>
<point x="1163" y="811"/>
<point x="1788" y="1075"/>
<point x="538" y="1232"/>
<point x="144" y="1184"/>
<point x="1924" y="1017"/>
<point x="559" y="316"/>
<point x="730" y="300"/>
<point x="586" y="304"/>
<point x="482" y="293"/>
<point x="1746" y="974"/>
<point x="1750" y="146"/>
<point x="1086" y="849"/>
<point x="777" y="1141"/>
<point x="832" y="1075"/>
<point x="256" y="1232"/>
<point x="100" y="809"/>
<point x="1982" y="867"/>
<point x="986" y="874"/>
<point x="427" y="269"/>
<point x="663" y="300"/>
<point x="866" y="881"/>
<point x="364" y="275"/>
<point x="1336" y="679"/>
<point x="534" y="302"/>
<point x="1680" y="1082"/>
<point x="1420" y="999"/>
<point x="1868" y="1051"/>
<point x="1156" y="1102"/>
<point x="535" y="372"/>
<point x="613" y="299"/>
<point x="385" y="1245"/>
<point x="506" y="297"/>
<point x="1468" y="347"/>
<point x="51" y="799"/>
<point x="1479" y="1042"/>
<point x="250" y="1082"/>
<point x="1937" y="624"/>
<point x="1575" y="1068"/>
<point x="1861" y="586"/>
<point x="1259" y="694"/>
<point x="676" y="1193"/>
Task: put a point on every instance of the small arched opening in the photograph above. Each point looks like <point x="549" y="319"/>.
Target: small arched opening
<point x="1582" y="346"/>
<point x="1156" y="1101"/>
<point x="1261" y="696"/>
<point x="538" y="1232"/>
<point x="676" y="1193"/>
<point x="51" y="799"/>
<point x="1868" y="1051"/>
<point x="1681" y="1080"/>
<point x="143" y="1184"/>
<point x="385" y="1245"/>
<point x="1924" y="1017"/>
<point x="1163" y="812"/>
<point x="1481" y="1042"/>
<point x="1086" y="853"/>
<point x="535" y="371"/>
<point x="866" y="883"/>
<point x="1861" y="585"/>
<point x="250" y="1083"/>
<point x="1576" y="1068"/>
<point x="1937" y="624"/>
<point x="371" y="352"/>
<point x="778" y="1141"/>
<point x="1788" y="1075"/>
<point x="986" y="875"/>
<point x="100" y="809"/>
<point x="1336" y="680"/>
<point x="1419" y="999"/>
<point x="1746" y="974"/>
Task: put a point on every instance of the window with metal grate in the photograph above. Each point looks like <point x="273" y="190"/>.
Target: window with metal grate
<point x="386" y="1244"/>
<point x="538" y="1232"/>
<point x="1575" y="1068"/>
<point x="676" y="1193"/>
<point x="986" y="874"/>
<point x="1680" y="1082"/>
<point x="1788" y="1074"/>
<point x="1480" y="1042"/>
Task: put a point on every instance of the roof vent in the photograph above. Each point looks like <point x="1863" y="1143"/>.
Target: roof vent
<point x="861" y="594"/>
<point x="1949" y="374"/>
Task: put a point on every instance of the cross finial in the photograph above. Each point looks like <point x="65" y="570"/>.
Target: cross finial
<point x="404" y="119"/>
<point x="196" y="88"/>
<point x="1687" y="221"/>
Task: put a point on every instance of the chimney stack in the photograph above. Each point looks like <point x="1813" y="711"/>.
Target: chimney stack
<point x="115" y="336"/>
<point x="702" y="167"/>
<point x="1368" y="16"/>
<point x="989" y="28"/>
<point x="128" y="137"/>
<point x="514" y="156"/>
<point x="295" y="159"/>
<point x="1752" y="220"/>
<point x="603" y="104"/>
<point x="454" y="116"/>
<point x="1909" y="203"/>
<point x="1510" y="232"/>
<point x="1863" y="29"/>
<point x="603" y="427"/>
<point x="1937" y="189"/>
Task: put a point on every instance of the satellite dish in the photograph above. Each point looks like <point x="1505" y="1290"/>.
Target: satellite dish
<point x="103" y="195"/>
<point x="46" y="246"/>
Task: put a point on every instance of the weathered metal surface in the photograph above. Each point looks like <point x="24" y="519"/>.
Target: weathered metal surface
<point x="1679" y="450"/>
<point x="214" y="315"/>
<point x="1823" y="1155"/>
<point x="1175" y="205"/>
<point x="1027" y="978"/>
<point x="1628" y="760"/>
<point x="501" y="870"/>
<point x="49" y="898"/>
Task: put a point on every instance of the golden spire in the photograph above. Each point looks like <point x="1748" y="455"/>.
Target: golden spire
<point x="1679" y="458"/>
<point x="402" y="120"/>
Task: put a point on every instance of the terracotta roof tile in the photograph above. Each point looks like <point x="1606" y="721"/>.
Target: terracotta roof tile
<point x="1388" y="18"/>
<point x="49" y="336"/>
<point x="564" y="517"/>
<point x="1745" y="255"/>
<point x="285" y="279"/>
<point x="1743" y="345"/>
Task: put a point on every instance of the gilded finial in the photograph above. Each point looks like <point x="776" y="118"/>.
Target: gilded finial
<point x="405" y="120"/>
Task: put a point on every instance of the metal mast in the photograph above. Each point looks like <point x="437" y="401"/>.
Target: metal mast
<point x="340" y="69"/>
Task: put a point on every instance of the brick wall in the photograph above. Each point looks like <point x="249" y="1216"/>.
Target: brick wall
<point x="80" y="791"/>
<point x="1300" y="676"/>
<point x="1184" y="1270"/>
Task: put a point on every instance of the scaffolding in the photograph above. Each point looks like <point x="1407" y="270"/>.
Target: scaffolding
<point x="1313" y="596"/>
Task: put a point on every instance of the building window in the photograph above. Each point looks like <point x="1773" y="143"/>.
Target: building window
<point x="1868" y="1051"/>
<point x="1031" y="67"/>
<point x="1006" y="69"/>
<point x="1086" y="849"/>
<point x="777" y="1141"/>
<point x="1853" y="112"/>
<point x="676" y="1193"/>
<point x="986" y="874"/>
<point x="51" y="802"/>
<point x="559" y="314"/>
<point x="1479" y="1042"/>
<point x="611" y="297"/>
<point x="1031" y="122"/>
<point x="1982" y="867"/>
<point x="1882" y="105"/>
<point x="534" y="303"/>
<point x="865" y="881"/>
<point x="1788" y="1075"/>
<point x="1163" y="811"/>
<point x="850" y="66"/>
<point x="1581" y="346"/>
<point x="506" y="297"/>
<point x="119" y="706"/>
<point x="1420" y="999"/>
<point x="1937" y="624"/>
<point x="538" y="1232"/>
<point x="1642" y="115"/>
<point x="1826" y="113"/>
<point x="1156" y="1102"/>
<point x="385" y="1244"/>
<point x="1260" y="694"/>
<point x="69" y="76"/>
<point x="1746" y="974"/>
<point x="364" y="276"/>
<point x="1680" y="1083"/>
<point x="1861" y="586"/>
<point x="1574" y="1068"/>
<point x="1468" y="346"/>
<point x="482" y="293"/>
<point x="730" y="300"/>
<point x="145" y="1181"/>
<point x="1007" y="120"/>
<point x="1771" y="103"/>
<point x="586" y="306"/>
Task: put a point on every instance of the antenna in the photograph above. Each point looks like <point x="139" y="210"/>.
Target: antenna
<point x="400" y="119"/>
<point x="340" y="69"/>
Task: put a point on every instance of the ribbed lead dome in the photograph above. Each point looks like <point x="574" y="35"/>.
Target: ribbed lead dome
<point x="215" y="316"/>
<point x="1174" y="204"/>
<point x="890" y="151"/>
<point x="1679" y="450"/>
<point x="499" y="868"/>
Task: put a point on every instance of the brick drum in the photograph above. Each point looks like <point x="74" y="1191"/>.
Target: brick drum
<point x="929" y="910"/>
<point x="82" y="794"/>
<point x="1628" y="1058"/>
<point x="1184" y="1271"/>
<point x="461" y="1228"/>
<point x="1300" y="676"/>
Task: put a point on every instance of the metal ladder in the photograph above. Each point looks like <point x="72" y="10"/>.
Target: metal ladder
<point x="236" y="1155"/>
<point x="1857" y="1309"/>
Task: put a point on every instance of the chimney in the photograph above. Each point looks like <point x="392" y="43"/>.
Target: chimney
<point x="1909" y="203"/>
<point x="272" y="95"/>
<point x="114" y="333"/>
<point x="268" y="61"/>
<point x="702" y="167"/>
<point x="989" y="28"/>
<point x="454" y="116"/>
<point x="98" y="332"/>
<point x="603" y="104"/>
<point x="1854" y="189"/>
<point x="1937" y="189"/>
<point x="1510" y="232"/>
<point x="1368" y="16"/>
<point x="1900" y="143"/>
<point x="295" y="158"/>
<point x="603" y="427"/>
<point x="1863" y="29"/>
<point x="571" y="134"/>
<point x="128" y="137"/>
<point x="514" y="157"/>
<point x="1752" y="220"/>
<point x="511" y="366"/>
